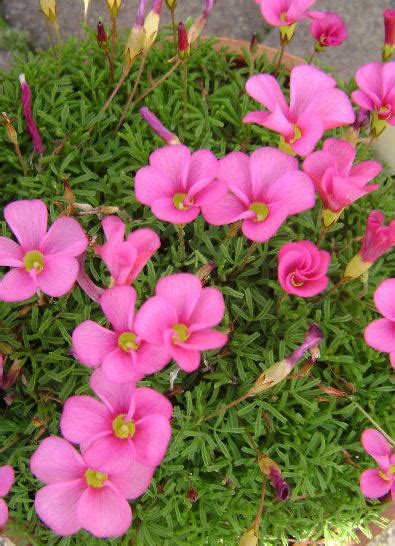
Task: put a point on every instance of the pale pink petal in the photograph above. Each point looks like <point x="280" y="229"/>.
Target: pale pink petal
<point x="377" y="446"/>
<point x="28" y="221"/>
<point x="227" y="210"/>
<point x="165" y="210"/>
<point x="3" y="513"/>
<point x="104" y="512"/>
<point x="152" y="436"/>
<point x="133" y="481"/>
<point x="65" y="237"/>
<point x="173" y="162"/>
<point x="120" y="367"/>
<point x="118" y="306"/>
<point x="182" y="291"/>
<point x="372" y="486"/>
<point x="361" y="98"/>
<point x="384" y="299"/>
<point x="342" y="151"/>
<point x="58" y="276"/>
<point x="153" y="318"/>
<point x="7" y="477"/>
<point x="117" y="398"/>
<point x="278" y="121"/>
<point x="109" y="453"/>
<point x="209" y="310"/>
<point x="17" y="285"/>
<point x="369" y="78"/>
<point x="56" y="506"/>
<point x="333" y="109"/>
<point x="151" y="184"/>
<point x="56" y="461"/>
<point x="204" y="340"/>
<point x="10" y="253"/>
<point x="266" y="90"/>
<point x="380" y="334"/>
<point x="203" y="167"/>
<point x="92" y="342"/>
<point x="365" y="171"/>
<point x="83" y="419"/>
<point x="306" y="84"/>
<point x="148" y="401"/>
<point x="268" y="165"/>
<point x="294" y="190"/>
<point x="262" y="231"/>
<point x="213" y="192"/>
<point x="146" y="242"/>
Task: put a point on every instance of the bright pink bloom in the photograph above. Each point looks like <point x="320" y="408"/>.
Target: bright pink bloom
<point x="377" y="482"/>
<point x="80" y="495"/>
<point x="329" y="30"/>
<point x="27" y="112"/>
<point x="128" y="425"/>
<point x="316" y="105"/>
<point x="263" y="190"/>
<point x="7" y="478"/>
<point x="42" y="260"/>
<point x="302" y="268"/>
<point x="377" y="238"/>
<point x="376" y="82"/>
<point x="177" y="183"/>
<point x="335" y="179"/>
<point x="125" y="259"/>
<point x="122" y="354"/>
<point x="284" y="12"/>
<point x="380" y="334"/>
<point x="180" y="317"/>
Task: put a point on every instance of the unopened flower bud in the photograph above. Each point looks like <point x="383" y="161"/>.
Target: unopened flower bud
<point x="151" y="23"/>
<point x="101" y="35"/>
<point x="171" y="4"/>
<point x="362" y="118"/>
<point x="135" y="45"/>
<point x="271" y="469"/>
<point x="114" y="7"/>
<point x="389" y="38"/>
<point x="183" y="43"/>
<point x="11" y="133"/>
<point x="249" y="538"/>
<point x="158" y="127"/>
<point x="48" y="7"/>
<point x="27" y="111"/>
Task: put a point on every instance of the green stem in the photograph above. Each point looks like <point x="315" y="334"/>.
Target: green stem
<point x="311" y="58"/>
<point x="247" y="256"/>
<point x="132" y="94"/>
<point x="283" y="45"/>
<point x="376" y="425"/>
<point x="185" y="84"/>
<point x="173" y="22"/>
<point x="181" y="240"/>
<point x="222" y="409"/>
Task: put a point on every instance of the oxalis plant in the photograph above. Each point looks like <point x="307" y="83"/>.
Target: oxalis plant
<point x="196" y="310"/>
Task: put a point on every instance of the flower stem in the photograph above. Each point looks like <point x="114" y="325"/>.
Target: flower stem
<point x="323" y="232"/>
<point x="50" y="37"/>
<point x="247" y="256"/>
<point x="311" y="58"/>
<point x="258" y="517"/>
<point x="132" y="94"/>
<point x="222" y="409"/>
<point x="113" y="38"/>
<point x="158" y="82"/>
<point x="173" y="22"/>
<point x="110" y="64"/>
<point x="181" y="239"/>
<point x="20" y="158"/>
<point x="283" y="45"/>
<point x="121" y="81"/>
<point x="185" y="84"/>
<point x="57" y="32"/>
<point x="376" y="425"/>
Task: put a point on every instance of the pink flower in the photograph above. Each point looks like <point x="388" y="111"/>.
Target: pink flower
<point x="122" y="354"/>
<point x="125" y="259"/>
<point x="284" y="12"/>
<point x="27" y="112"/>
<point x="328" y="30"/>
<point x="80" y="495"/>
<point x="377" y="482"/>
<point x="380" y="334"/>
<point x="377" y="238"/>
<point x="7" y="478"/>
<point x="179" y="318"/>
<point x="264" y="190"/>
<point x="128" y="425"/>
<point x="335" y="179"/>
<point x="376" y="82"/>
<point x="177" y="183"/>
<point x="316" y="105"/>
<point x="302" y="268"/>
<point x="42" y="260"/>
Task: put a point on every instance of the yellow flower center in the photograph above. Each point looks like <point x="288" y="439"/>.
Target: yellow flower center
<point x="385" y="112"/>
<point x="127" y="341"/>
<point x="261" y="211"/>
<point x="283" y="16"/>
<point x="34" y="260"/>
<point x="297" y="134"/>
<point x="181" y="333"/>
<point x="384" y="476"/>
<point x="294" y="282"/>
<point x="392" y="469"/>
<point x="178" y="201"/>
<point x="95" y="479"/>
<point x="123" y="429"/>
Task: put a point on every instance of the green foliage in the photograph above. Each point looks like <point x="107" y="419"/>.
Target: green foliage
<point x="304" y="430"/>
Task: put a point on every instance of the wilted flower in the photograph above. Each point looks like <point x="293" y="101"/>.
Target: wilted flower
<point x="151" y="23"/>
<point x="136" y="42"/>
<point x="7" y="477"/>
<point x="271" y="469"/>
<point x="328" y="30"/>
<point x="158" y="127"/>
<point x="377" y="482"/>
<point x="27" y="112"/>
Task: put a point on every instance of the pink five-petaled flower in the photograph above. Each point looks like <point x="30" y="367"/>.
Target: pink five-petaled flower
<point x="380" y="334"/>
<point x="336" y="180"/>
<point x="177" y="183"/>
<point x="179" y="317"/>
<point x="128" y="425"/>
<point x="80" y="495"/>
<point x="121" y="353"/>
<point x="376" y="93"/>
<point x="7" y="477"/>
<point x="42" y="260"/>
<point x="285" y="14"/>
<point x="316" y="105"/>
<point x="263" y="190"/>
<point x="302" y="268"/>
<point x="125" y="259"/>
<point x="328" y="30"/>
<point x="377" y="482"/>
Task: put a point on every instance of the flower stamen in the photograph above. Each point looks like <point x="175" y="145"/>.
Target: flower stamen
<point x="34" y="259"/>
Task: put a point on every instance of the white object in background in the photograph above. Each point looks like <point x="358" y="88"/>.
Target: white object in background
<point x="385" y="147"/>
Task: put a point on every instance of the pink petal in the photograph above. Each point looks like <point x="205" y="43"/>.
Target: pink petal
<point x="365" y="171"/>
<point x="146" y="242"/>
<point x="152" y="436"/>
<point x="372" y="486"/>
<point x="333" y="109"/>
<point x="188" y="360"/>
<point x="104" y="512"/>
<point x="182" y="291"/>
<point x="342" y="151"/>
<point x="83" y="419"/>
<point x="151" y="358"/>
<point x="369" y="78"/>
<point x="92" y="343"/>
<point x="109" y="453"/>
<point x="204" y="340"/>
<point x="294" y="191"/>
<point x="133" y="481"/>
<point x="227" y="210"/>
<point x="209" y="309"/>
<point x="118" y="305"/>
<point x="312" y="129"/>
<point x="28" y="221"/>
<point x="234" y="168"/>
<point x="151" y="184"/>
<point x="266" y="90"/>
<point x="3" y="513"/>
<point x="56" y="461"/>
<point x="260" y="117"/>
<point x="117" y="397"/>
<point x="388" y="78"/>
<point x="173" y="162"/>
<point x="213" y="192"/>
<point x="380" y="334"/>
<point x="392" y="359"/>
<point x="65" y="237"/>
<point x="114" y="229"/>
<point x="10" y="253"/>
<point x="56" y="506"/>
<point x="306" y="84"/>
<point x="268" y="165"/>
<point x="310" y="288"/>
<point x="148" y="401"/>
<point x="153" y="318"/>
<point x="361" y="98"/>
<point x="316" y="164"/>
<point x="262" y="231"/>
<point x="375" y="443"/>
<point x="384" y="299"/>
<point x="7" y="477"/>
<point x="120" y="367"/>
<point x="17" y="285"/>
<point x="203" y="168"/>
<point x="165" y="210"/>
<point x="58" y="276"/>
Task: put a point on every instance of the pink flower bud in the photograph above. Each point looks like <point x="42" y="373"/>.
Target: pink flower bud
<point x="280" y="486"/>
<point x="27" y="112"/>
<point x="101" y="35"/>
<point x="313" y="337"/>
<point x="158" y="127"/>
<point x="362" y="118"/>
<point x="183" y="43"/>
<point x="389" y="38"/>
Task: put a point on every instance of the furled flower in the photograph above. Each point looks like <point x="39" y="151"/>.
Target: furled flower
<point x="7" y="477"/>
<point x="316" y="105"/>
<point x="376" y="93"/>
<point x="183" y="43"/>
<point x="28" y="113"/>
<point x="377" y="482"/>
<point x="271" y="469"/>
<point x="137" y="41"/>
<point x="151" y="23"/>
<point x="125" y="259"/>
<point x="302" y="268"/>
<point x="114" y="7"/>
<point x="158" y="127"/>
<point x="128" y="425"/>
<point x="42" y="260"/>
<point x="380" y="334"/>
<point x="337" y="181"/>
<point x="101" y="35"/>
<point x="177" y="183"/>
<point x="48" y="7"/>
<point x="377" y="239"/>
<point x="198" y="25"/>
<point x="389" y="37"/>
<point x="179" y="317"/>
<point x="264" y="190"/>
<point x="328" y="30"/>
<point x="122" y="354"/>
<point x="80" y="495"/>
<point x="285" y="14"/>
